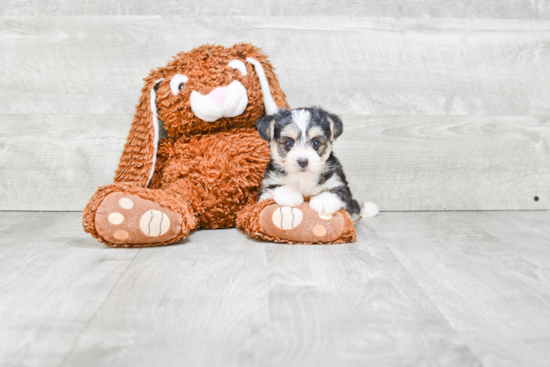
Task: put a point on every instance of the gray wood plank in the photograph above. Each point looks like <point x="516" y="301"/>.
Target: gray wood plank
<point x="353" y="305"/>
<point x="198" y="303"/>
<point x="488" y="274"/>
<point x="418" y="289"/>
<point x="514" y="9"/>
<point x="56" y="162"/>
<point x="53" y="278"/>
<point x="352" y="65"/>
<point x="220" y="299"/>
<point x="448" y="162"/>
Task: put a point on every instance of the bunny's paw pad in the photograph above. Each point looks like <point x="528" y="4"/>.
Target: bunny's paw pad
<point x="301" y="224"/>
<point x="129" y="219"/>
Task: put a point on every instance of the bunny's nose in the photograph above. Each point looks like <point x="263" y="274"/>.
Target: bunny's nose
<point x="219" y="95"/>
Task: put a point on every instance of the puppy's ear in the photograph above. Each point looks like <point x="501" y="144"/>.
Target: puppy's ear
<point x="336" y="125"/>
<point x="137" y="162"/>
<point x="265" y="126"/>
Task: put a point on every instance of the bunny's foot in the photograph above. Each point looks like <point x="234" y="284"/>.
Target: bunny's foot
<point x="133" y="217"/>
<point x="299" y="225"/>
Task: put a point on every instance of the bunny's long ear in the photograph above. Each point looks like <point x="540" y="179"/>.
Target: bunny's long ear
<point x="137" y="163"/>
<point x="274" y="97"/>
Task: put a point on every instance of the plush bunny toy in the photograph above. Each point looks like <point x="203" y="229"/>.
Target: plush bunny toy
<point x="208" y="171"/>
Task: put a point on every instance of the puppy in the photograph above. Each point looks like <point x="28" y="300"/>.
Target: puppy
<point x="302" y="162"/>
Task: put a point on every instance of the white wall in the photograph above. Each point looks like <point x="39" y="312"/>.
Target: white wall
<point x="446" y="105"/>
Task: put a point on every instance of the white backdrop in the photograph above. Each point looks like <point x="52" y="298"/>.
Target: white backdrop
<point x="446" y="106"/>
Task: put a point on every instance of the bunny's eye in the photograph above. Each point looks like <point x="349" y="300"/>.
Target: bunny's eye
<point x="177" y="83"/>
<point x="238" y="65"/>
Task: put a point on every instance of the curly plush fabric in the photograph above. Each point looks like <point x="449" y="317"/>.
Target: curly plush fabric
<point x="204" y="173"/>
<point x="216" y="173"/>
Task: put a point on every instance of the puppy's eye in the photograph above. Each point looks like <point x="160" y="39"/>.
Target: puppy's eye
<point x="177" y="83"/>
<point x="238" y="65"/>
<point x="315" y="144"/>
<point x="289" y="144"/>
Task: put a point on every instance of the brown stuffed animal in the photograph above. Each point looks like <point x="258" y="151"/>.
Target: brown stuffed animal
<point x="211" y="165"/>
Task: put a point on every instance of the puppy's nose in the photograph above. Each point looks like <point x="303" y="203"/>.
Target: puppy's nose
<point x="302" y="162"/>
<point x="219" y="95"/>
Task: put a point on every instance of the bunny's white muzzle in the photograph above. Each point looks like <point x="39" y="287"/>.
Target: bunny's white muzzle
<point x="221" y="102"/>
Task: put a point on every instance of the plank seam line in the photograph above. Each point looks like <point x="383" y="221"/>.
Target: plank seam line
<point x="97" y="310"/>
<point x="423" y="291"/>
<point x="462" y="337"/>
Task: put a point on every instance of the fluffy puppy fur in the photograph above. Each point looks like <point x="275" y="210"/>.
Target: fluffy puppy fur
<point x="302" y="162"/>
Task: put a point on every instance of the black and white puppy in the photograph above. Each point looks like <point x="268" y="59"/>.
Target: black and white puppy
<point x="302" y="162"/>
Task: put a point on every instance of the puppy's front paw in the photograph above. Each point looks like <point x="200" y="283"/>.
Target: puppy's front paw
<point x="326" y="202"/>
<point x="285" y="195"/>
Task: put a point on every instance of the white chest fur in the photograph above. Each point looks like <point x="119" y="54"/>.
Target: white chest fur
<point x="307" y="184"/>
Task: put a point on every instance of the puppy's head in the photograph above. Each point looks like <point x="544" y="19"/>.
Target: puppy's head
<point x="301" y="139"/>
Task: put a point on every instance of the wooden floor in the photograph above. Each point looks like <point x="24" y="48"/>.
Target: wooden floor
<point x="416" y="289"/>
